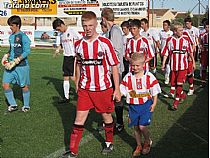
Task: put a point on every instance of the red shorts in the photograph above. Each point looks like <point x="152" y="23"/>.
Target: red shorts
<point x="100" y="100"/>
<point x="204" y="59"/>
<point x="178" y="76"/>
<point x="190" y="67"/>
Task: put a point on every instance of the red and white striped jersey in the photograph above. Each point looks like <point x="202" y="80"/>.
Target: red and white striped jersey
<point x="194" y="34"/>
<point x="205" y="41"/>
<point x="68" y="39"/>
<point x="185" y="33"/>
<point x="139" y="90"/>
<point x="140" y="45"/>
<point x="177" y="49"/>
<point x="96" y="58"/>
<point x="163" y="35"/>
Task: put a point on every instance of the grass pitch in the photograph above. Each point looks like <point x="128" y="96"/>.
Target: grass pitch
<point x="44" y="131"/>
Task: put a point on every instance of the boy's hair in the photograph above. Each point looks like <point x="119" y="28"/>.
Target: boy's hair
<point x="138" y="56"/>
<point x="88" y="15"/>
<point x="206" y="23"/>
<point x="188" y="19"/>
<point x="57" y="23"/>
<point x="14" y="20"/>
<point x="125" y="24"/>
<point x="108" y="14"/>
<point x="144" y="20"/>
<point x="135" y="22"/>
<point x="102" y="24"/>
<point x="168" y="22"/>
<point x="176" y="26"/>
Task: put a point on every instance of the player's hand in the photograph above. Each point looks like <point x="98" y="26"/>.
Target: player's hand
<point x="152" y="108"/>
<point x="10" y="65"/>
<point x="56" y="53"/>
<point x="117" y="95"/>
<point x="17" y="60"/>
<point x="194" y="66"/>
<point x="4" y="59"/>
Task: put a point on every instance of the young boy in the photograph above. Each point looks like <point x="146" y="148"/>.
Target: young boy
<point x="140" y="88"/>
<point x="177" y="48"/>
<point x="16" y="65"/>
<point x="95" y="59"/>
<point x="68" y="38"/>
<point x="204" y="53"/>
<point x="138" y="44"/>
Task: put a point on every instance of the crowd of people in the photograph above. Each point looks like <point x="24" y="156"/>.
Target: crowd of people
<point x="119" y="62"/>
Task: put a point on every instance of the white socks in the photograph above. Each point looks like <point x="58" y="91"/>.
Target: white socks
<point x="66" y="88"/>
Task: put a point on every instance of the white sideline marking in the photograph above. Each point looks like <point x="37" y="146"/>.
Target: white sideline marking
<point x="187" y="129"/>
<point x="59" y="152"/>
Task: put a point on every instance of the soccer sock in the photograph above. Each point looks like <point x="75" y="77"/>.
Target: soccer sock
<point x="119" y="113"/>
<point x="191" y="87"/>
<point x="10" y="97"/>
<point x="172" y="90"/>
<point x="167" y="71"/>
<point x="190" y="80"/>
<point x="26" y="98"/>
<point x="109" y="128"/>
<point x="178" y="92"/>
<point x="203" y="76"/>
<point x="66" y="87"/>
<point x="75" y="137"/>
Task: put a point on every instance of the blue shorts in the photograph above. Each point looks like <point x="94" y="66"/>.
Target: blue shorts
<point x="19" y="75"/>
<point x="140" y="114"/>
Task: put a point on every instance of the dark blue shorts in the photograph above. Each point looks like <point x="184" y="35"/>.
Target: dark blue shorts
<point x="139" y="114"/>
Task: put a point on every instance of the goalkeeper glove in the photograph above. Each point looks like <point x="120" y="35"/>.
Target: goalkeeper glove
<point x="10" y="65"/>
<point x="17" y="60"/>
<point x="4" y="60"/>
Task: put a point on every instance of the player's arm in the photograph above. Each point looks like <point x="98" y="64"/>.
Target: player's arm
<point x="115" y="73"/>
<point x="154" y="103"/>
<point x="78" y="71"/>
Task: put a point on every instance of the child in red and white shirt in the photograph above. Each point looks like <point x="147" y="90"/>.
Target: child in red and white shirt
<point x="177" y="48"/>
<point x="140" y="87"/>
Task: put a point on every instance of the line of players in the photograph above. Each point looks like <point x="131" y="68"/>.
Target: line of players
<point x="172" y="43"/>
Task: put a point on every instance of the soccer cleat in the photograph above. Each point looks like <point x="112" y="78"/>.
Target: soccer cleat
<point x="146" y="147"/>
<point x="63" y="101"/>
<point x="119" y="128"/>
<point x="190" y="92"/>
<point x="169" y="95"/>
<point x="69" y="154"/>
<point x="12" y="108"/>
<point x="137" y="151"/>
<point x="25" y="109"/>
<point x="108" y="149"/>
<point x="175" y="105"/>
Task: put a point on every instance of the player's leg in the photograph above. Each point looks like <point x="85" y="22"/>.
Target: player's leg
<point x="8" y="92"/>
<point x="190" y="78"/>
<point x="137" y="135"/>
<point x="26" y="98"/>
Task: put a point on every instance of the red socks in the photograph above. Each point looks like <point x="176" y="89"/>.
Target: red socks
<point x="109" y="128"/>
<point x="75" y="137"/>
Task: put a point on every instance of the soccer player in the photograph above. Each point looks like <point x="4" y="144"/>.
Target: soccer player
<point x="141" y="89"/>
<point x="138" y="44"/>
<point x="16" y="65"/>
<point x="194" y="36"/>
<point x="125" y="26"/>
<point x="152" y="37"/>
<point x="204" y="53"/>
<point x="178" y="48"/>
<point x="163" y="35"/>
<point x="95" y="59"/>
<point x="68" y="38"/>
<point x="115" y="35"/>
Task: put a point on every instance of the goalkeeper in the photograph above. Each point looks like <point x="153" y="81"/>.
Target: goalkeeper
<point x="16" y="65"/>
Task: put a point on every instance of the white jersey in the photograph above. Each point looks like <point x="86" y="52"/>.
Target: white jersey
<point x="163" y="35"/>
<point x="152" y="37"/>
<point x="125" y="40"/>
<point x="139" y="90"/>
<point x="194" y="34"/>
<point x="68" y="39"/>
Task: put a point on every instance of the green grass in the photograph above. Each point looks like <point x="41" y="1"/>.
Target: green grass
<point x="46" y="128"/>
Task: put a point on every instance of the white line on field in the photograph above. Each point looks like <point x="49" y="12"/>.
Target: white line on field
<point x="196" y="135"/>
<point x="59" y="152"/>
